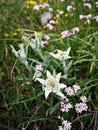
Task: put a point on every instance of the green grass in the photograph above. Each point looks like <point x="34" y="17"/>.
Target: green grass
<point x="26" y="106"/>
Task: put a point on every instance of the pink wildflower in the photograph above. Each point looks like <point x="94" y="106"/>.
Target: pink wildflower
<point x="61" y="12"/>
<point x="36" y="7"/>
<point x="76" y="87"/>
<point x="66" y="99"/>
<point x="46" y="42"/>
<point x="83" y="99"/>
<point x="96" y="18"/>
<point x="39" y="67"/>
<point x="47" y="37"/>
<point x="69" y="8"/>
<point x="66" y="125"/>
<point x="81" y="107"/>
<point x="96" y="3"/>
<point x="88" y="5"/>
<point x="42" y="44"/>
<point x="62" y="106"/>
<point x="65" y="107"/>
<point x="50" y="27"/>
<point x="86" y="17"/>
<point x="81" y="16"/>
<point x="52" y="22"/>
<point x="74" y="30"/>
<point x="65" y="33"/>
<point x="69" y="91"/>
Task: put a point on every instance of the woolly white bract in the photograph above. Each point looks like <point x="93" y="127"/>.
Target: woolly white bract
<point x="21" y="54"/>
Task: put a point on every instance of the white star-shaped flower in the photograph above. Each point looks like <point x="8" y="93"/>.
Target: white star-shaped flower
<point x="52" y="84"/>
<point x="61" y="55"/>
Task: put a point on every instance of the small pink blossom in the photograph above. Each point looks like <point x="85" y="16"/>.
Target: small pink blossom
<point x="96" y="3"/>
<point x="66" y="99"/>
<point x="83" y="99"/>
<point x="74" y="30"/>
<point x="36" y="7"/>
<point x="81" y="107"/>
<point x="50" y="27"/>
<point x="42" y="44"/>
<point x="61" y="12"/>
<point x="62" y="106"/>
<point x="69" y="91"/>
<point x="88" y="5"/>
<point x="65" y="33"/>
<point x="81" y="16"/>
<point x="76" y="87"/>
<point x="68" y="107"/>
<point x="52" y="22"/>
<point x="46" y="42"/>
<point x="69" y="8"/>
<point x="66" y="125"/>
<point x="86" y="17"/>
<point x="46" y="37"/>
<point x="39" y="67"/>
<point x="65" y="107"/>
<point x="96" y="18"/>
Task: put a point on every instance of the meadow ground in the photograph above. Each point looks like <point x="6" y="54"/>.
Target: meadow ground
<point x="49" y="65"/>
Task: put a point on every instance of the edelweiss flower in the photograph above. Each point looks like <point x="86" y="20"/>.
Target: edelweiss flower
<point x="51" y="84"/>
<point x="61" y="55"/>
<point x="21" y="54"/>
<point x="45" y="17"/>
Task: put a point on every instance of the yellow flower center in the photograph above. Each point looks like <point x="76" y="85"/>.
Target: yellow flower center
<point x="60" y="52"/>
<point x="52" y="83"/>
